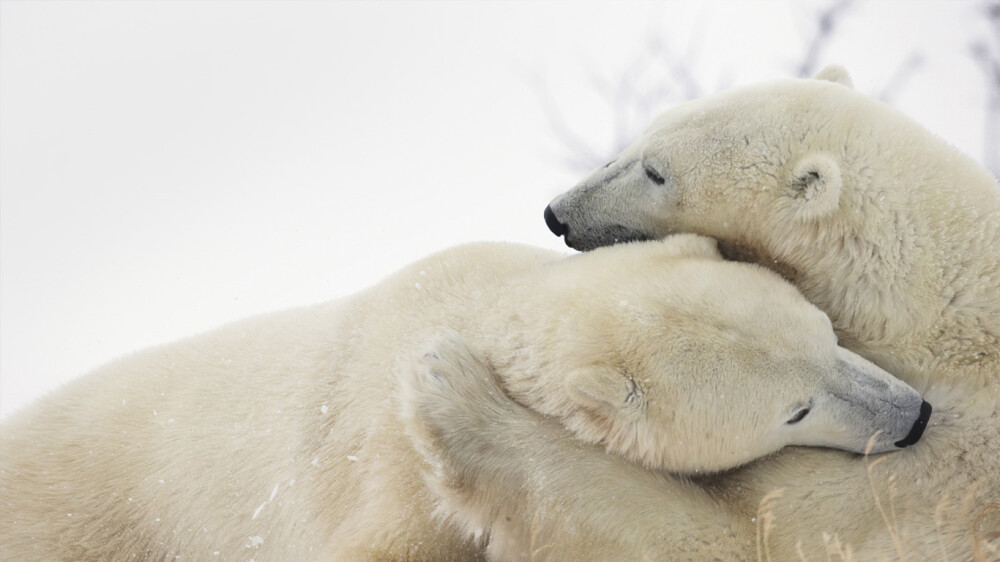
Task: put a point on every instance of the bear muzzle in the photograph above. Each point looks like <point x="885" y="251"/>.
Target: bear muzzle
<point x="558" y="228"/>
<point x="592" y="236"/>
<point x="918" y="426"/>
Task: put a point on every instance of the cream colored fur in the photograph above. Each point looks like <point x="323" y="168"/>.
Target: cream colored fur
<point x="558" y="499"/>
<point x="892" y="233"/>
<point x="277" y="438"/>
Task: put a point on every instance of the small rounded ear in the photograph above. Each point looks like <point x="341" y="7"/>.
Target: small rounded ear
<point x="836" y="73"/>
<point x="602" y="390"/>
<point x="815" y="185"/>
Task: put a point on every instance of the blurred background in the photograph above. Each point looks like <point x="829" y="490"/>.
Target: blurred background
<point x="167" y="167"/>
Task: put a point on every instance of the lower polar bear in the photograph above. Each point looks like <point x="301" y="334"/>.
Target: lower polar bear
<point x="453" y="405"/>
<point x="279" y="437"/>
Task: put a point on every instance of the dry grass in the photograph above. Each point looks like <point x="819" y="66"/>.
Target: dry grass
<point x="534" y="536"/>
<point x="765" y="522"/>
<point x="890" y="520"/>
<point x="983" y="551"/>
<point x="987" y="517"/>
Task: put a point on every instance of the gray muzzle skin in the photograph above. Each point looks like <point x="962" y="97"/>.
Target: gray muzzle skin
<point x="918" y="426"/>
<point x="586" y="240"/>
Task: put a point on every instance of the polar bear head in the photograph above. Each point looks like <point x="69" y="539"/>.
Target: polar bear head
<point x="860" y="207"/>
<point x="672" y="357"/>
<point x="732" y="164"/>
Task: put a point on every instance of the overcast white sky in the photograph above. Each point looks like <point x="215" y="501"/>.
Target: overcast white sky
<point x="166" y="167"/>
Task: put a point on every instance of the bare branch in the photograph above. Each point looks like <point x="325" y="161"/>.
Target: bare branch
<point x="583" y="153"/>
<point x="632" y="99"/>
<point x="903" y="72"/>
<point x="989" y="63"/>
<point x="826" y="24"/>
<point x="986" y="52"/>
<point x="678" y="68"/>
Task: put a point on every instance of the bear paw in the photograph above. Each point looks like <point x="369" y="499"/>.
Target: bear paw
<point x="455" y="411"/>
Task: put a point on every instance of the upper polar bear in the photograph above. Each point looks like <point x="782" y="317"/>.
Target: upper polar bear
<point x="891" y="232"/>
<point x="279" y="437"/>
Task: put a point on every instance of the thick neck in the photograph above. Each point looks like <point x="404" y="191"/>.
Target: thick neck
<point x="523" y="330"/>
<point x="911" y="277"/>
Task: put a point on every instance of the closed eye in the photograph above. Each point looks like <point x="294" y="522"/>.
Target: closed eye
<point x="798" y="416"/>
<point x="655" y="177"/>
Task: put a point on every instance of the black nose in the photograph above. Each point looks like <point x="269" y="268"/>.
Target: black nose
<point x="557" y="228"/>
<point x="918" y="426"/>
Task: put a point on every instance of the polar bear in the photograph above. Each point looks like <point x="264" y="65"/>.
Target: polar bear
<point x="574" y="504"/>
<point x="892" y="233"/>
<point x="278" y="438"/>
<point x="526" y="514"/>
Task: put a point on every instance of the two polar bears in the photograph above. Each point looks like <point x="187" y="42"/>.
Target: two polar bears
<point x="280" y="437"/>
<point x="886" y="229"/>
<point x="892" y="233"/>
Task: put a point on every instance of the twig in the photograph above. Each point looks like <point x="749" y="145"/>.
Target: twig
<point x="890" y="525"/>
<point x="903" y="72"/>
<point x="826" y="24"/>
<point x="765" y="519"/>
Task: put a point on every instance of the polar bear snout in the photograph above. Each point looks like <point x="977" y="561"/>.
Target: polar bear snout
<point x="869" y="410"/>
<point x="614" y="205"/>
<point x="918" y="426"/>
<point x="590" y="233"/>
<point x="558" y="228"/>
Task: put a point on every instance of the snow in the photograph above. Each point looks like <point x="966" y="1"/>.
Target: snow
<point x="256" y="512"/>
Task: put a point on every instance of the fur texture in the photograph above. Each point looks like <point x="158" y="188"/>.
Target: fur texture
<point x="573" y="504"/>
<point x="277" y="438"/>
<point x="888" y="230"/>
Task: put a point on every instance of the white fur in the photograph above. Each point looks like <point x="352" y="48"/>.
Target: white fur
<point x="277" y="438"/>
<point x="897" y="238"/>
<point x="567" y="502"/>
